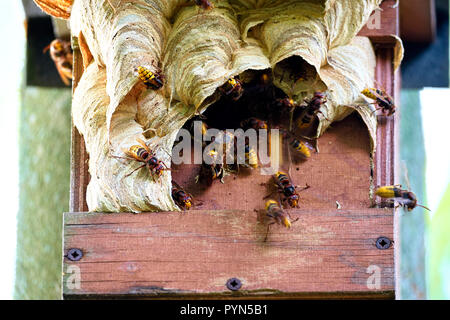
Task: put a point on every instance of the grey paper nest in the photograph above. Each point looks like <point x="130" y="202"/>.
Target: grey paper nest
<point x="198" y="51"/>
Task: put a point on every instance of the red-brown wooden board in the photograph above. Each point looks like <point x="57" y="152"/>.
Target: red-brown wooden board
<point x="79" y="167"/>
<point x="325" y="254"/>
<point x="344" y="161"/>
<point x="418" y="20"/>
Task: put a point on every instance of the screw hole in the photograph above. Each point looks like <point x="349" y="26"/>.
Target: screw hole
<point x="74" y="254"/>
<point x="383" y="243"/>
<point x="234" y="284"/>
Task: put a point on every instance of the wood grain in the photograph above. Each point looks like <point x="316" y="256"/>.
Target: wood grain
<point x="195" y="253"/>
<point x="344" y="161"/>
<point x="384" y="161"/>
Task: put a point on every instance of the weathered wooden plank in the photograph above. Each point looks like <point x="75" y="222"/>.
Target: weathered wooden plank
<point x="198" y="251"/>
<point x="384" y="161"/>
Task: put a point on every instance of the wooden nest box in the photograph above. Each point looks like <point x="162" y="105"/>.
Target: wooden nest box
<point x="329" y="252"/>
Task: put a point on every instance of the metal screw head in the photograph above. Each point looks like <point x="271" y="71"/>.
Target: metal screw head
<point x="383" y="243"/>
<point x="234" y="284"/>
<point x="74" y="254"/>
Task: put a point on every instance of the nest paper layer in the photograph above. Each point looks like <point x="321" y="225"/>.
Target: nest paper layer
<point x="197" y="52"/>
<point x="56" y="8"/>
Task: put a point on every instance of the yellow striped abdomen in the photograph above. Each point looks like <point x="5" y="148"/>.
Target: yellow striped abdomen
<point x="281" y="177"/>
<point x="286" y="222"/>
<point x="370" y="93"/>
<point x="232" y="82"/>
<point x="149" y="78"/>
<point x="139" y="152"/>
<point x="276" y="212"/>
<point x="271" y="205"/>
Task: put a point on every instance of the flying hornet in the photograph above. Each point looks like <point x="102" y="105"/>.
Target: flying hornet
<point x="301" y="148"/>
<point x="62" y="56"/>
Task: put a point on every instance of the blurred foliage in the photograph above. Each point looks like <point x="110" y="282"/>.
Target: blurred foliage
<point x="44" y="156"/>
<point x="413" y="225"/>
<point x="439" y="255"/>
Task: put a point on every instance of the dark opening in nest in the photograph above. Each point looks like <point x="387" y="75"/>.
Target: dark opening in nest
<point x="258" y="100"/>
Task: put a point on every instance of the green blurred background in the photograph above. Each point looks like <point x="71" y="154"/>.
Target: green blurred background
<point x="44" y="191"/>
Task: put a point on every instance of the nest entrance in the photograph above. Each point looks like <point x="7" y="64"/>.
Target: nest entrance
<point x="255" y="101"/>
<point x="261" y="99"/>
<point x="295" y="75"/>
<point x="260" y="94"/>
